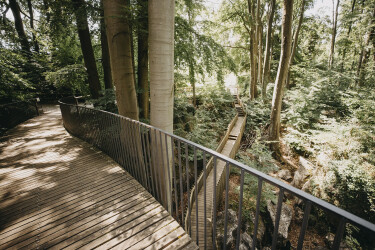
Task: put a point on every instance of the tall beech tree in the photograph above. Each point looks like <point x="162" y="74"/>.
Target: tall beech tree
<point x="106" y="63"/>
<point x="253" y="50"/>
<point x="144" y="95"/>
<point x="15" y="8"/>
<point x="278" y="92"/>
<point x="86" y="47"/>
<point x="118" y="35"/>
<point x="295" y="40"/>
<point x="335" y="14"/>
<point x="31" y="16"/>
<point x="161" y="16"/>
<point x="267" y="56"/>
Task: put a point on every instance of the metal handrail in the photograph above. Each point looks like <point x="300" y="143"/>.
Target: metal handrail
<point x="160" y="162"/>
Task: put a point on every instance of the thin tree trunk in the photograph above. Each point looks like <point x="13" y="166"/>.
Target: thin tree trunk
<point x="253" y="51"/>
<point x="349" y="30"/>
<point x="365" y="54"/>
<point x="334" y="31"/>
<point x="286" y="40"/>
<point x="144" y="96"/>
<point x="295" y="41"/>
<point x="35" y="42"/>
<point x="260" y="54"/>
<point x="19" y="25"/>
<point x="267" y="58"/>
<point x="86" y="47"/>
<point x="161" y="56"/>
<point x="106" y="61"/>
<point x="130" y="21"/>
<point x="118" y="35"/>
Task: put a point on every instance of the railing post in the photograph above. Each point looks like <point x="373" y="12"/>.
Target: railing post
<point x="36" y="106"/>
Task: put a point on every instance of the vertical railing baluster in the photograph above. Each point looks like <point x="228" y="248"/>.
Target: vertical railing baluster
<point x="131" y="149"/>
<point x="123" y="140"/>
<point x="181" y="186"/>
<point x="238" y="238"/>
<point x="174" y="178"/>
<point x="136" y="140"/>
<point x="257" y="211"/>
<point x="151" y="162"/>
<point x="144" y="160"/>
<point x="339" y="233"/>
<point x="157" y="163"/>
<point x="196" y="193"/>
<point x="214" y="206"/>
<point x="170" y="206"/>
<point x="141" y="155"/>
<point x="226" y="205"/>
<point x="277" y="218"/>
<point x="163" y="177"/>
<point x="205" y="200"/>
<point x="304" y="224"/>
<point x="188" y="185"/>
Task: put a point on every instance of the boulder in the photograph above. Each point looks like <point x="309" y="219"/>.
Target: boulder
<point x="232" y="227"/>
<point x="285" y="218"/>
<point x="305" y="169"/>
<point x="249" y="227"/>
<point x="285" y="175"/>
<point x="246" y="240"/>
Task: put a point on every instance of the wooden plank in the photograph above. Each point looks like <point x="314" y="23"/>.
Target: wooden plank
<point x="156" y="239"/>
<point x="184" y="240"/>
<point x="72" y="218"/>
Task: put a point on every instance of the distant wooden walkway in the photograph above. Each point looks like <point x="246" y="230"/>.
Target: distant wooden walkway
<point x="231" y="145"/>
<point x="57" y="192"/>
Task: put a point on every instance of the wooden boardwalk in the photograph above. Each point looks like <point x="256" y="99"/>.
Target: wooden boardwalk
<point x="230" y="148"/>
<point x="57" y="192"/>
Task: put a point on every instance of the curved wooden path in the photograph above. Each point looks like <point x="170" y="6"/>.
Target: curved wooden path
<point x="57" y="192"/>
<point x="230" y="147"/>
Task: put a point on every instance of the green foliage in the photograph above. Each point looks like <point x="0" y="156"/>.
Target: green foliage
<point x="354" y="190"/>
<point x="106" y="101"/>
<point x="72" y="77"/>
<point x="209" y="121"/>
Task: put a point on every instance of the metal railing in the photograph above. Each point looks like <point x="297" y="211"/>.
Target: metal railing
<point x="168" y="166"/>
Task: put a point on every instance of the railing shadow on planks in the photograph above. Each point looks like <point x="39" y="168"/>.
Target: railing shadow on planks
<point x="168" y="166"/>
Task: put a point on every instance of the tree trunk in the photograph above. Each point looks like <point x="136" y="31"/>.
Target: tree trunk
<point x="286" y="40"/>
<point x="86" y="47"/>
<point x="106" y="61"/>
<point x="365" y="54"/>
<point x="129" y="16"/>
<point x="349" y="30"/>
<point x="334" y="31"/>
<point x="267" y="58"/>
<point x="144" y="96"/>
<point x="295" y="41"/>
<point x="35" y="42"/>
<point x="260" y="54"/>
<point x="118" y="35"/>
<point x="19" y="25"/>
<point x="161" y="56"/>
<point x="253" y="51"/>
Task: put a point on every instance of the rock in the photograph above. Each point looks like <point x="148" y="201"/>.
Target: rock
<point x="247" y="240"/>
<point x="285" y="175"/>
<point x="285" y="218"/>
<point x="305" y="169"/>
<point x="330" y="239"/>
<point x="249" y="227"/>
<point x="298" y="215"/>
<point x="243" y="247"/>
<point x="231" y="229"/>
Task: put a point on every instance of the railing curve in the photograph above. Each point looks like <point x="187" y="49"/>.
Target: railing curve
<point x="168" y="166"/>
